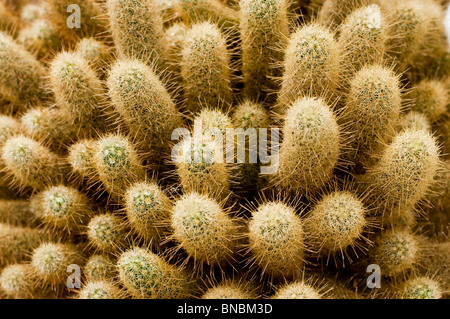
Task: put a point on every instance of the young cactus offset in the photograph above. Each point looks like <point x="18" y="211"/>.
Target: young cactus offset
<point x="297" y="290"/>
<point x="100" y="268"/>
<point x="147" y="276"/>
<point x="431" y="98"/>
<point x="30" y="164"/>
<point x="229" y="290"/>
<point x="22" y="75"/>
<point x="371" y="112"/>
<point x="50" y="262"/>
<point x="310" y="149"/>
<point x="311" y="65"/>
<point x="363" y="38"/>
<point x="62" y="207"/>
<point x="204" y="229"/>
<point x="147" y="208"/>
<point x="205" y="68"/>
<point x="395" y="251"/>
<point x="276" y="240"/>
<point x="215" y="11"/>
<point x="100" y="290"/>
<point x="106" y="233"/>
<point x="16" y="243"/>
<point x="143" y="102"/>
<point x="78" y="92"/>
<point x="137" y="30"/>
<point x="421" y="288"/>
<point x="40" y="37"/>
<point x="336" y="222"/>
<point x="403" y="175"/>
<point x="264" y="29"/>
<point x="116" y="163"/>
<point x="17" y="282"/>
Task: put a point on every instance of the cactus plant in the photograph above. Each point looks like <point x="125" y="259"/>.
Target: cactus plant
<point x="276" y="240"/>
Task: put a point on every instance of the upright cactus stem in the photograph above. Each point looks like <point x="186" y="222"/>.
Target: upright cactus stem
<point x="311" y="65"/>
<point x="203" y="229"/>
<point x="205" y="68"/>
<point x="371" y="113"/>
<point x="363" y="37"/>
<point x="144" y="104"/>
<point x="147" y="208"/>
<point x="63" y="208"/>
<point x="310" y="149"/>
<point x="87" y="18"/>
<point x="147" y="276"/>
<point x="78" y="92"/>
<point x="276" y="241"/>
<point x="336" y="222"/>
<point x="403" y="175"/>
<point x="137" y="30"/>
<point x="264" y="29"/>
<point x="30" y="164"/>
<point x="117" y="165"/>
<point x="215" y="11"/>
<point x="22" y="75"/>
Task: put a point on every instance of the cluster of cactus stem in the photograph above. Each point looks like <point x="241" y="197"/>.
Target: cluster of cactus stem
<point x="136" y="148"/>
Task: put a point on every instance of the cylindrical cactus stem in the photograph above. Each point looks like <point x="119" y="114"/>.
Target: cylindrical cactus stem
<point x="78" y="92"/>
<point x="16" y="212"/>
<point x="215" y="11"/>
<point x="77" y="20"/>
<point x="332" y="13"/>
<point x="229" y="289"/>
<point x="403" y="175"/>
<point x="144" y="104"/>
<point x="137" y="30"/>
<point x="49" y="125"/>
<point x="100" y="290"/>
<point x="311" y="65"/>
<point x="94" y="51"/>
<point x="116" y="163"/>
<point x="147" y="208"/>
<point x="50" y="262"/>
<point x="297" y="290"/>
<point x="310" y="149"/>
<point x="363" y="38"/>
<point x="409" y="24"/>
<point x="62" y="207"/>
<point x="371" y="113"/>
<point x="41" y="38"/>
<point x="415" y="121"/>
<point x="250" y="117"/>
<point x="438" y="264"/>
<point x="9" y="126"/>
<point x="106" y="233"/>
<point x="175" y="36"/>
<point x="17" y="282"/>
<point x="201" y="168"/>
<point x="395" y="251"/>
<point x="264" y="29"/>
<point x="16" y="243"/>
<point x="22" y="75"/>
<point x="146" y="275"/>
<point x="32" y="12"/>
<point x="276" y="241"/>
<point x="80" y="156"/>
<point x="100" y="268"/>
<point x="421" y="288"/>
<point x="431" y="98"/>
<point x="205" y="68"/>
<point x="30" y="164"/>
<point x="204" y="229"/>
<point x="336" y="223"/>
